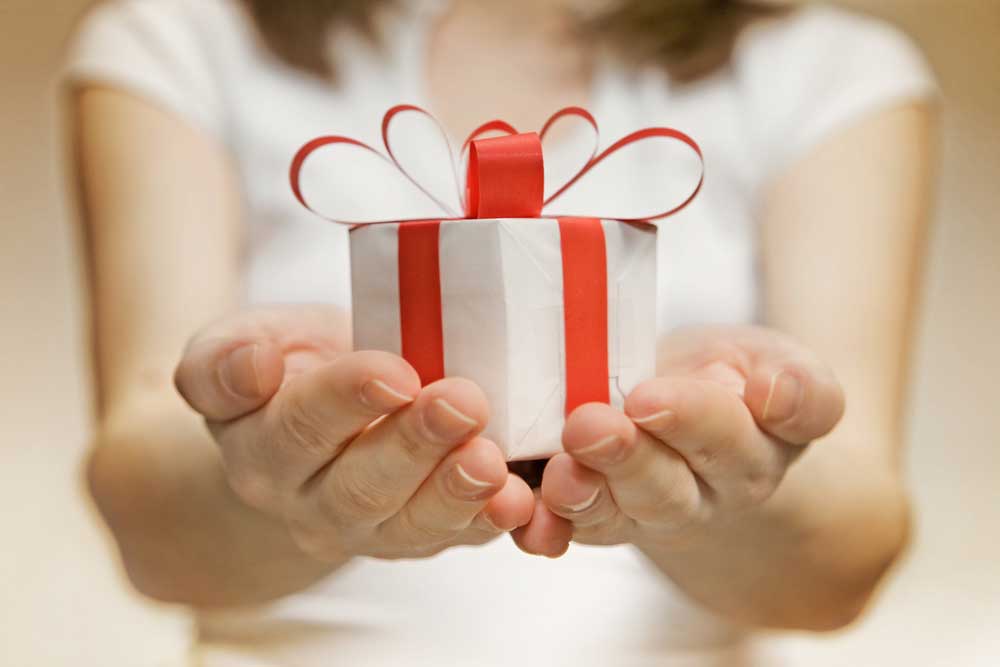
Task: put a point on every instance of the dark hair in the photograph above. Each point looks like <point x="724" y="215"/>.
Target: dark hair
<point x="688" y="37"/>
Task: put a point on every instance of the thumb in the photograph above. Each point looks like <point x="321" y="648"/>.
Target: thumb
<point x="226" y="377"/>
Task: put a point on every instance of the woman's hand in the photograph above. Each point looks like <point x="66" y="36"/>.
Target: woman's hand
<point x="346" y="448"/>
<point x="708" y="439"/>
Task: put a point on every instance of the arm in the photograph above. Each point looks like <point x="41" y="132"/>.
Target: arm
<point x="842" y="240"/>
<point x="710" y="503"/>
<point x="291" y="478"/>
<point x="161" y="209"/>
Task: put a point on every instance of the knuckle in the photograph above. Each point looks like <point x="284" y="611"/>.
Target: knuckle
<point x="715" y="451"/>
<point x="755" y="493"/>
<point x="421" y="533"/>
<point x="253" y="487"/>
<point x="343" y="377"/>
<point x="355" y="499"/>
<point x="725" y="351"/>
<point x="759" y="482"/>
<point x="703" y="457"/>
<point x="674" y="504"/>
<point x="312" y="542"/>
<point x="414" y="446"/>
<point x="301" y="427"/>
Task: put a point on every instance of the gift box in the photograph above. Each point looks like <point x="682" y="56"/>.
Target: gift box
<point x="544" y="315"/>
<point x="544" y="312"/>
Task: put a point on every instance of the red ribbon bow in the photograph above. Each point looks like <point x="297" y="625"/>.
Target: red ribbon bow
<point x="505" y="179"/>
<point x="505" y="174"/>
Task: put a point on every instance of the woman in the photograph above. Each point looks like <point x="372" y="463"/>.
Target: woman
<point x="304" y="533"/>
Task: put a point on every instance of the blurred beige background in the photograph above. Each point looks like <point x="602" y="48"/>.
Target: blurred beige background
<point x="62" y="601"/>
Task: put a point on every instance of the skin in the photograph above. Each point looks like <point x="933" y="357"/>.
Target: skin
<point x="271" y="454"/>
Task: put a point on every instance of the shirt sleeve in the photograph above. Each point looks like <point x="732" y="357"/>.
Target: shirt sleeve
<point x="153" y="49"/>
<point x="820" y="70"/>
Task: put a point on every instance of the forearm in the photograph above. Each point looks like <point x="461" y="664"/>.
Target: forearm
<point x="157" y="479"/>
<point x="809" y="557"/>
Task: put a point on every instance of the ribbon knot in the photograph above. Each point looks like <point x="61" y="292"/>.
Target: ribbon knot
<point x="506" y="177"/>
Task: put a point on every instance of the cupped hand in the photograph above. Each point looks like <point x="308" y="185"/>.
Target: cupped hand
<point x="345" y="447"/>
<point x="712" y="436"/>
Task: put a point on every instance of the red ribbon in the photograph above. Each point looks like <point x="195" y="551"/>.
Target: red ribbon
<point x="505" y="179"/>
<point x="585" y="311"/>
<point x="420" y="299"/>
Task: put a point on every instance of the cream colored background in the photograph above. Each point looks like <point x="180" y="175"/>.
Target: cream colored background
<point x="62" y="601"/>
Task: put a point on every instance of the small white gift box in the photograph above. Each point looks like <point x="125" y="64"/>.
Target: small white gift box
<point x="503" y="320"/>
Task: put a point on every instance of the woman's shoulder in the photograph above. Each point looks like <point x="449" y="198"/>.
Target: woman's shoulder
<point x="175" y="29"/>
<point x="175" y="53"/>
<point x="802" y="38"/>
<point x="169" y="14"/>
<point x="807" y="72"/>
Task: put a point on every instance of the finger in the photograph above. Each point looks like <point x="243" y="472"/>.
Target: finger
<point x="226" y="377"/>
<point x="796" y="400"/>
<point x="310" y="420"/>
<point x="714" y="432"/>
<point x="579" y="494"/>
<point x="791" y="393"/>
<point x="649" y="481"/>
<point x="234" y="366"/>
<point x="547" y="534"/>
<point x="382" y="468"/>
<point x="449" y="500"/>
<point x="511" y="508"/>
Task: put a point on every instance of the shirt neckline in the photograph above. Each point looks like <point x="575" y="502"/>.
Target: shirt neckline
<point x="412" y="34"/>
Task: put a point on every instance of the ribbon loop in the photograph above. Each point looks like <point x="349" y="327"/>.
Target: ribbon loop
<point x="506" y="177"/>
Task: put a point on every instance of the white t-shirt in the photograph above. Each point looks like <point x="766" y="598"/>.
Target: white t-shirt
<point x="792" y="81"/>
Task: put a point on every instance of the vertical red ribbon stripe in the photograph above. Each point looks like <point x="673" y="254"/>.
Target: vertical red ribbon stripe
<point x="420" y="299"/>
<point x="585" y="310"/>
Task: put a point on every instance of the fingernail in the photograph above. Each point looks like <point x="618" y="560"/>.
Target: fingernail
<point x="491" y="523"/>
<point x="238" y="372"/>
<point x="607" y="450"/>
<point x="464" y="485"/>
<point x="584" y="504"/>
<point x="783" y="397"/>
<point x="446" y="422"/>
<point x="381" y="397"/>
<point x="658" y="422"/>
